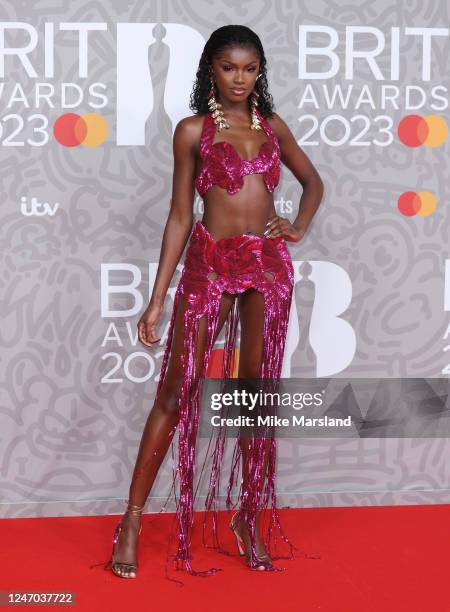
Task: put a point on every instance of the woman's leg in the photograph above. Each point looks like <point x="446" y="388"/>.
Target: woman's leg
<point x="161" y="424"/>
<point x="251" y="314"/>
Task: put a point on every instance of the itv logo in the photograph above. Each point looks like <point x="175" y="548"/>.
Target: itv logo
<point x="35" y="208"/>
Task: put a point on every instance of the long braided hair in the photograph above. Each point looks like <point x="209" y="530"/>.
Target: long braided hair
<point x="230" y="36"/>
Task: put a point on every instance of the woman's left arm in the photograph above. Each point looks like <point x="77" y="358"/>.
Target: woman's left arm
<point x="301" y="166"/>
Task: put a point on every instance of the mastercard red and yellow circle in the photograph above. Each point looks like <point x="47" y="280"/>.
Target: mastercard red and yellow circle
<point x="415" y="131"/>
<point x="421" y="203"/>
<point x="72" y="130"/>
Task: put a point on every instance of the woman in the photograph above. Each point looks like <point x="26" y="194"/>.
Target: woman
<point x="237" y="268"/>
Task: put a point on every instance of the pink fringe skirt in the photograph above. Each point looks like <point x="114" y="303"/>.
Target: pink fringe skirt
<point x="232" y="264"/>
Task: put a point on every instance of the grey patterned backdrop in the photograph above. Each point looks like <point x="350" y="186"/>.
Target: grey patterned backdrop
<point x="370" y="301"/>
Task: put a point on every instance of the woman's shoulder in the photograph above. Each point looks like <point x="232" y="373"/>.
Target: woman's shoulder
<point x="191" y="122"/>
<point x="190" y="127"/>
<point x="278" y="125"/>
<point x="274" y="120"/>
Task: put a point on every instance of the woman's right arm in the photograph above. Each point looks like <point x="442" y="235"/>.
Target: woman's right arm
<point x="178" y="225"/>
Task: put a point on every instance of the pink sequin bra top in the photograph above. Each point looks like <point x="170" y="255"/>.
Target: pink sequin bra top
<point x="222" y="165"/>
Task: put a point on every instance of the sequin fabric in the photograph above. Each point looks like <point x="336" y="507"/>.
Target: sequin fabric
<point x="223" y="166"/>
<point x="233" y="264"/>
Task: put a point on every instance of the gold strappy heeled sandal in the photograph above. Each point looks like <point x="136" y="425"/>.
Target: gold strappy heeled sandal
<point x="118" y="567"/>
<point x="266" y="561"/>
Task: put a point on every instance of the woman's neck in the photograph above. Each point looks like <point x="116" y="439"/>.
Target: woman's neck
<point x="235" y="109"/>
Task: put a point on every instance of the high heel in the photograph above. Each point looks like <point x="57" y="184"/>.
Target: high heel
<point x="239" y="540"/>
<point x="264" y="562"/>
<point x="117" y="567"/>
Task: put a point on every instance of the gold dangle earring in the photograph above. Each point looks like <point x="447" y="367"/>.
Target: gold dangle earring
<point x="215" y="108"/>
<point x="255" y="124"/>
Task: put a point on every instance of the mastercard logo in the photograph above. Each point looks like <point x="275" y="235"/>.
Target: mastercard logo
<point x="415" y="131"/>
<point x="72" y="130"/>
<point x="420" y="203"/>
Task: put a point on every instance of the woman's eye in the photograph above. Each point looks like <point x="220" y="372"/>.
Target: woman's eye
<point x="228" y="68"/>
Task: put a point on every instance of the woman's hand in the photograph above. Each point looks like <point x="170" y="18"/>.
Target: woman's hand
<point x="279" y="226"/>
<point x="147" y="324"/>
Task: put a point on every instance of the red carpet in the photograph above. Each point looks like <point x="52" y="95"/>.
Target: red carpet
<point x="370" y="559"/>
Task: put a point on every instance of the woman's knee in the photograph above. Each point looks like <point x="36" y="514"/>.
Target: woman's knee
<point x="168" y="401"/>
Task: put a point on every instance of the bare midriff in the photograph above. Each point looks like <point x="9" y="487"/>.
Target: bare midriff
<point x="244" y="212"/>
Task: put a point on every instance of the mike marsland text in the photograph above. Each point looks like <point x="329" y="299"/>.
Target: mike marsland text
<point x="276" y="421"/>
